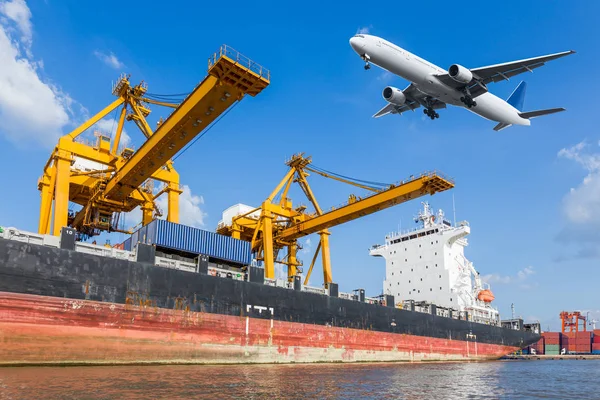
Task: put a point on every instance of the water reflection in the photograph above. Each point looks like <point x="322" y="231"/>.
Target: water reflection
<point x="564" y="379"/>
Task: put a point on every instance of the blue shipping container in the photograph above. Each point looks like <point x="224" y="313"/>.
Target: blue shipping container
<point x="127" y="244"/>
<point x="193" y="240"/>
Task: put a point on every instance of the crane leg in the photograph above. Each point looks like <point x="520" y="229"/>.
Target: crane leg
<point x="48" y="182"/>
<point x="267" y="232"/>
<point x="61" y="201"/>
<point x="147" y="212"/>
<point x="117" y="138"/>
<point x="326" y="260"/>
<point x="173" y="193"/>
<point x="292" y="261"/>
<point x="312" y="264"/>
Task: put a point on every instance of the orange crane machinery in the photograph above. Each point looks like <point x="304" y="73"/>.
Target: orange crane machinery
<point x="106" y="182"/>
<point x="570" y="321"/>
<point x="276" y="225"/>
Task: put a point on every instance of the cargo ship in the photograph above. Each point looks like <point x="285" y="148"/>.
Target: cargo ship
<point x="177" y="294"/>
<point x="171" y="293"/>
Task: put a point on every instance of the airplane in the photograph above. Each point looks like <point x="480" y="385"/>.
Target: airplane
<point x="433" y="87"/>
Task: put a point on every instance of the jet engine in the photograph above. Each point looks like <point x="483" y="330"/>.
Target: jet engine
<point x="460" y="73"/>
<point x="394" y="96"/>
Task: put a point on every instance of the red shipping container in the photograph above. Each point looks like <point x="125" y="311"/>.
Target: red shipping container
<point x="596" y="346"/>
<point x="553" y="338"/>
<point x="539" y="346"/>
<point x="596" y="338"/>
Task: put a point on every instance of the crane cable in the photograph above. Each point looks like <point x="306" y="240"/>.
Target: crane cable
<point x="372" y="184"/>
<point x="205" y="131"/>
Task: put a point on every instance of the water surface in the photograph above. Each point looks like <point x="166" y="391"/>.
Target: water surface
<point x="558" y="379"/>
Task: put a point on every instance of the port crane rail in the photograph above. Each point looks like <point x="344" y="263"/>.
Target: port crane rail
<point x="276" y="225"/>
<point x="118" y="181"/>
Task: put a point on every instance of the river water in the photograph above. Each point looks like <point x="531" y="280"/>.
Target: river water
<point x="557" y="379"/>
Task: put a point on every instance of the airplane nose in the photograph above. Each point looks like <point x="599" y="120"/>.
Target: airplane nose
<point x="357" y="44"/>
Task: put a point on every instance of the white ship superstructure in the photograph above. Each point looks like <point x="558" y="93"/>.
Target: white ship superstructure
<point x="428" y="266"/>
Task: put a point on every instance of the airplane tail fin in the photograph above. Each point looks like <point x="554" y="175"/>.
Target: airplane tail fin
<point x="517" y="98"/>
<point x="539" y="113"/>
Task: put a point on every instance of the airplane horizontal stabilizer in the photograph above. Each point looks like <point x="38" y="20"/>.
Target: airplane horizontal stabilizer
<point x="539" y="113"/>
<point x="501" y="126"/>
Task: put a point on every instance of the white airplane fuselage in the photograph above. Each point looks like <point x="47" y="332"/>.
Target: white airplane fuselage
<point x="422" y="73"/>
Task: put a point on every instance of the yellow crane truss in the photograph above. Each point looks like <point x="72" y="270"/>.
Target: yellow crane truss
<point x="118" y="183"/>
<point x="276" y="225"/>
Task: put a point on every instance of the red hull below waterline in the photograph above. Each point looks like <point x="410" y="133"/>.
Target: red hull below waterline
<point x="51" y="330"/>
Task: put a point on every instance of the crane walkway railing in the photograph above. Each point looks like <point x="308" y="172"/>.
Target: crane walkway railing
<point x="240" y="59"/>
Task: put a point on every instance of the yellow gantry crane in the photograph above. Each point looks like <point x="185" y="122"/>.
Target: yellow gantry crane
<point x="276" y="225"/>
<point x="106" y="182"/>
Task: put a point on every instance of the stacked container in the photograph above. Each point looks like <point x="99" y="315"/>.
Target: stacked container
<point x="552" y="343"/>
<point x="596" y="342"/>
<point x="578" y="342"/>
<point x="583" y="342"/>
<point x="539" y="346"/>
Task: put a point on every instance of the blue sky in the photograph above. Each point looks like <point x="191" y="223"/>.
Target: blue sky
<point x="531" y="194"/>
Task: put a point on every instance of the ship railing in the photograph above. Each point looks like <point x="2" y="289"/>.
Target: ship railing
<point x="312" y="289"/>
<point x="278" y="283"/>
<point x="103" y="251"/>
<point x="225" y="273"/>
<point x="29" y="237"/>
<point x="372" y="300"/>
<point x="347" y="296"/>
<point x="175" y="264"/>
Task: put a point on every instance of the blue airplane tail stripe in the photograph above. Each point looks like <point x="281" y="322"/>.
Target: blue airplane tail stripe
<point x="517" y="98"/>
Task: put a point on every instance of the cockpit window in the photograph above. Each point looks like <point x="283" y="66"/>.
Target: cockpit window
<point x="361" y="36"/>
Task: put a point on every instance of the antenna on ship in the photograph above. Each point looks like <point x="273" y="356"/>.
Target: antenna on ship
<point x="512" y="309"/>
<point x="454" y="210"/>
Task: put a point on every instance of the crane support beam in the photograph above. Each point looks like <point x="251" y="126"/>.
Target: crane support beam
<point x="230" y="77"/>
<point x="87" y="124"/>
<point x="429" y="183"/>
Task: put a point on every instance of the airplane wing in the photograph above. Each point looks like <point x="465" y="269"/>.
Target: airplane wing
<point x="414" y="100"/>
<point x="499" y="72"/>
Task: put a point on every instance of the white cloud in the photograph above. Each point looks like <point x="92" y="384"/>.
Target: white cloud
<point x="32" y="110"/>
<point x="581" y="205"/>
<point x="520" y="278"/>
<point x="19" y="13"/>
<point x="385" y="77"/>
<point x="109" y="59"/>
<point x="364" y="29"/>
<point x="190" y="211"/>
<point x="306" y="247"/>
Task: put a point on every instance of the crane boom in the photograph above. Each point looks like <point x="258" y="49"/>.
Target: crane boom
<point x="277" y="225"/>
<point x="428" y="183"/>
<point x="105" y="181"/>
<point x="230" y="77"/>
